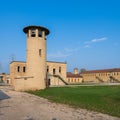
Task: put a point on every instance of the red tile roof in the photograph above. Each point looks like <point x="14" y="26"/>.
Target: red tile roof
<point x="69" y="74"/>
<point x="101" y="71"/>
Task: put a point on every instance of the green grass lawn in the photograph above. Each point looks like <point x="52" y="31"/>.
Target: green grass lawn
<point x="104" y="99"/>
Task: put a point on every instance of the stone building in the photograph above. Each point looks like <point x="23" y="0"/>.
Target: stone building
<point x="17" y="70"/>
<point x="74" y="78"/>
<point x="101" y="76"/>
<point x="55" y="71"/>
<point x="36" y="73"/>
<point x="5" y="78"/>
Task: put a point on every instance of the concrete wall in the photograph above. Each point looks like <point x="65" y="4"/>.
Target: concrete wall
<point x="54" y="81"/>
<point x="26" y="84"/>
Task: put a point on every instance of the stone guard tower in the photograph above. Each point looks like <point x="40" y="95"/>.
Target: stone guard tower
<point x="35" y="76"/>
<point x="36" y="55"/>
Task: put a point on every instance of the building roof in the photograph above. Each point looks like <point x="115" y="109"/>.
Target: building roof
<point x="101" y="71"/>
<point x="56" y="62"/>
<point x="17" y="62"/>
<point x="69" y="74"/>
<point x="25" y="30"/>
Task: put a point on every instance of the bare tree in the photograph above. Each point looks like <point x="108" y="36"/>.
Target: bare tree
<point x="12" y="57"/>
<point x="82" y="70"/>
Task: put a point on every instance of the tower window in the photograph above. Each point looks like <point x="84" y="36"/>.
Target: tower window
<point x="40" y="33"/>
<point x="18" y="68"/>
<point x="59" y="69"/>
<point x="40" y="52"/>
<point x="47" y="69"/>
<point x="54" y="71"/>
<point x="24" y="69"/>
<point x="32" y="33"/>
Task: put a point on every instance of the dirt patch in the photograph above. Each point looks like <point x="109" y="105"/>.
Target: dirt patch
<point x="24" y="106"/>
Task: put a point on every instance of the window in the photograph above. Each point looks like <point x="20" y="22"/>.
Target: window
<point x="24" y="69"/>
<point x="40" y="33"/>
<point x="59" y="69"/>
<point x="7" y="81"/>
<point x="40" y="52"/>
<point x="54" y="71"/>
<point x="32" y="33"/>
<point x="47" y="69"/>
<point x="18" y="68"/>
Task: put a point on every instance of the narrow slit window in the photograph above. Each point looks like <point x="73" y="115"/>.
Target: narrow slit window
<point x="47" y="69"/>
<point x="59" y="69"/>
<point x="54" y="71"/>
<point x="18" y="68"/>
<point x="40" y="52"/>
<point x="24" y="69"/>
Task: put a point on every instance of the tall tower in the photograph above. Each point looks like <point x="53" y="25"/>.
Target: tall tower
<point x="36" y="56"/>
<point x="76" y="71"/>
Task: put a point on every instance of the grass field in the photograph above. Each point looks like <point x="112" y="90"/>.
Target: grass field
<point x="104" y="99"/>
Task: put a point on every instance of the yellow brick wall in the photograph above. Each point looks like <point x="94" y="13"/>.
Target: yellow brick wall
<point x="60" y="69"/>
<point x="91" y="77"/>
<point x="14" y="71"/>
<point x="74" y="80"/>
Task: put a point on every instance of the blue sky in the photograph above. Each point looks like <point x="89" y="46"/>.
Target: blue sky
<point x="84" y="33"/>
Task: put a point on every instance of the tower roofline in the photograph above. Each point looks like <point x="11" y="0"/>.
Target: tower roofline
<point x="25" y="30"/>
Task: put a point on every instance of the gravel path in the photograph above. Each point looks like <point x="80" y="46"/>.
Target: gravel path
<point x="23" y="106"/>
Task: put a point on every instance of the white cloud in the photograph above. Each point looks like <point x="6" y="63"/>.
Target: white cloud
<point x="99" y="39"/>
<point x="96" y="40"/>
